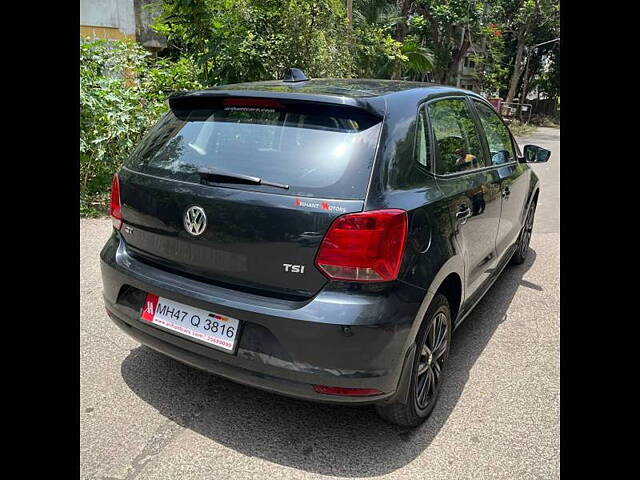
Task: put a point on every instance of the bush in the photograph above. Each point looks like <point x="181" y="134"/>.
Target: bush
<point x="122" y="93"/>
<point x="247" y="40"/>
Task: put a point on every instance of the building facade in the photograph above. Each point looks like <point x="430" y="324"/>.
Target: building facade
<point x="467" y="77"/>
<point x="118" y="20"/>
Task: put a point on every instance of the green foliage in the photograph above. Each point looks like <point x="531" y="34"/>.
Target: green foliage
<point x="419" y="59"/>
<point x="210" y="42"/>
<point x="451" y="26"/>
<point x="246" y="40"/>
<point x="122" y="93"/>
<point x="528" y="23"/>
<point x="546" y="63"/>
<point x="375" y="51"/>
<point x="491" y="73"/>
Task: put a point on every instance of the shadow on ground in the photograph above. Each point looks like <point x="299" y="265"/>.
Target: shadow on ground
<point x="325" y="439"/>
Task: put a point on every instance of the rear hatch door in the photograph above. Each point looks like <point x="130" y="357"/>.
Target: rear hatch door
<point x="314" y="161"/>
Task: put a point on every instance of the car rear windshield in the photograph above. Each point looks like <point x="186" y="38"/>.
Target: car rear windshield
<point x="317" y="149"/>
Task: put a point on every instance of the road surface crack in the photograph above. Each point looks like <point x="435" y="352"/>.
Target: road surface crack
<point x="161" y="438"/>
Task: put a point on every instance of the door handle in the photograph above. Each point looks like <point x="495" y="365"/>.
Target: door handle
<point x="506" y="192"/>
<point x="463" y="213"/>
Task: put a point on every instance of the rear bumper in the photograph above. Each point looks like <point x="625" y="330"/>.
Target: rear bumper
<point x="284" y="347"/>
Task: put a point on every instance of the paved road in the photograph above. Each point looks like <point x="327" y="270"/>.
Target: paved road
<point x="146" y="416"/>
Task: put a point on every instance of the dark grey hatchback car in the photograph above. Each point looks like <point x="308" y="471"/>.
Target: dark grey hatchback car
<point x="318" y="238"/>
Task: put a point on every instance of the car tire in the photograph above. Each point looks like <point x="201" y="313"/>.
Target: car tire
<point x="522" y="246"/>
<point x="427" y="366"/>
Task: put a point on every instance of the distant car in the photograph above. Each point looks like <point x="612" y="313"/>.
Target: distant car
<point x="319" y="239"/>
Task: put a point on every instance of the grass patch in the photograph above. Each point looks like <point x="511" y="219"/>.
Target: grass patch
<point x="546" y="121"/>
<point x="95" y="206"/>
<point x="520" y="129"/>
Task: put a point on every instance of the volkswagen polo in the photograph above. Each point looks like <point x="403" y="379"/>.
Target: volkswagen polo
<point x="318" y="238"/>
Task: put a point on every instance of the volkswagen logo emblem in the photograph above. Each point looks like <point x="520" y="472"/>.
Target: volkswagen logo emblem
<point x="195" y="220"/>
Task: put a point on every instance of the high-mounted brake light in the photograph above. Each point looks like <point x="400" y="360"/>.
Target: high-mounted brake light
<point x="346" y="391"/>
<point x="115" y="210"/>
<point x="252" y="102"/>
<point x="364" y="247"/>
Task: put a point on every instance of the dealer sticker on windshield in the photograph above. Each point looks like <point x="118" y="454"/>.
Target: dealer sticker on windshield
<point x="211" y="328"/>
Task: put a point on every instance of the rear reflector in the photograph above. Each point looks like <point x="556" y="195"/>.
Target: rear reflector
<point x="115" y="210"/>
<point x="348" y="392"/>
<point x="364" y="247"/>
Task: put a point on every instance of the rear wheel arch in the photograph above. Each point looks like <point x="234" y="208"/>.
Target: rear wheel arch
<point x="447" y="281"/>
<point x="406" y="409"/>
<point x="451" y="288"/>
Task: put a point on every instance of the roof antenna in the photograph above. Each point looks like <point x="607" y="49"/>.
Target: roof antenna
<point x="294" y="75"/>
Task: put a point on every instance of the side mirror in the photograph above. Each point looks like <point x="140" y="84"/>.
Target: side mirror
<point x="535" y="154"/>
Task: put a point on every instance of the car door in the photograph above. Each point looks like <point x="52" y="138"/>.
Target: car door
<point x="514" y="176"/>
<point x="472" y="189"/>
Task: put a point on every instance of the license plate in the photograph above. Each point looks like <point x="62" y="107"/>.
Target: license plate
<point x="211" y="328"/>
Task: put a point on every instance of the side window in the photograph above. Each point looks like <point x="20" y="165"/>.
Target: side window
<point x="457" y="144"/>
<point x="422" y="151"/>
<point x="516" y="146"/>
<point x="498" y="136"/>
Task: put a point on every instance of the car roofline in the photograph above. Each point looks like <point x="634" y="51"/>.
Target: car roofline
<point x="372" y="101"/>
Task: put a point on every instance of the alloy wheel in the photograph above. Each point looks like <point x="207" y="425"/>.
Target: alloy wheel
<point x="432" y="357"/>
<point x="526" y="232"/>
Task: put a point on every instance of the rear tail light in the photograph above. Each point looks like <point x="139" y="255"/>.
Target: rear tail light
<point x="115" y="210"/>
<point x="364" y="247"/>
<point x="346" y="391"/>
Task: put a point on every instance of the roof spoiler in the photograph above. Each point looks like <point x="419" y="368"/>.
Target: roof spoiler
<point x="294" y="75"/>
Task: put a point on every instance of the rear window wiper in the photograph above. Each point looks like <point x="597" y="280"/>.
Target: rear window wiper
<point x="218" y="176"/>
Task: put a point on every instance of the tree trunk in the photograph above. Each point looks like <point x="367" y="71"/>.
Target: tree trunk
<point x="401" y="30"/>
<point x="401" y="33"/>
<point x="458" y="69"/>
<point x="350" y="12"/>
<point x="517" y="66"/>
<point x="525" y="84"/>
<point x="438" y="74"/>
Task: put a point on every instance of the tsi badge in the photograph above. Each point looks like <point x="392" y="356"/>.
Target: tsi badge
<point x="288" y="267"/>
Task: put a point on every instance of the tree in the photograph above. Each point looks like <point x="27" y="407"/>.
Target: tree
<point x="245" y="40"/>
<point x="490" y="70"/>
<point x="548" y="79"/>
<point x="522" y="19"/>
<point x="451" y="28"/>
<point x="401" y="33"/>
